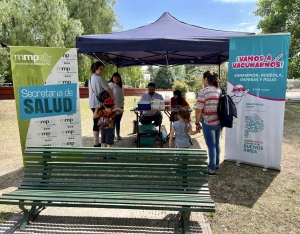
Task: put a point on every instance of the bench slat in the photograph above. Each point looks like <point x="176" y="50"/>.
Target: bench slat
<point x="189" y="190"/>
<point x="80" y="150"/>
<point x="123" y="206"/>
<point x="121" y="198"/>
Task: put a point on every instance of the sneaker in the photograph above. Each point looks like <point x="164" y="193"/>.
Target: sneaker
<point x="97" y="145"/>
<point x="120" y="138"/>
<point x="115" y="140"/>
<point x="211" y="173"/>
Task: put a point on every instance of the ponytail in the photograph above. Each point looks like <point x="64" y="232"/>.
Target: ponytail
<point x="212" y="78"/>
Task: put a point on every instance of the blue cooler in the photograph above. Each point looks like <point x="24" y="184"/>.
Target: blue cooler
<point x="144" y="105"/>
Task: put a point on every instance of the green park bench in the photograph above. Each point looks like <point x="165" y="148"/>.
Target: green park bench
<point x="120" y="178"/>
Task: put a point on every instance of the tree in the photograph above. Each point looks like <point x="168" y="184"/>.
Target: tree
<point x="151" y="70"/>
<point x="36" y="23"/>
<point x="282" y="16"/>
<point x="195" y="74"/>
<point x="179" y="72"/>
<point x="54" y="23"/>
<point x="163" y="78"/>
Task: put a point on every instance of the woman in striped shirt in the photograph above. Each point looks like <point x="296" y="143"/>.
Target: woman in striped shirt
<point x="115" y="83"/>
<point x="206" y="113"/>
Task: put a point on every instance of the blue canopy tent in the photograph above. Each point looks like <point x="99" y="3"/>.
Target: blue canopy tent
<point x="166" y="42"/>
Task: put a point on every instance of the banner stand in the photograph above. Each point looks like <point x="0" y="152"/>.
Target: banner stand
<point x="47" y="95"/>
<point x="257" y="76"/>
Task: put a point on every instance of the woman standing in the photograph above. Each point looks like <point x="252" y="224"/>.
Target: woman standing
<point x="177" y="100"/>
<point x="115" y="84"/>
<point x="97" y="85"/>
<point x="206" y="113"/>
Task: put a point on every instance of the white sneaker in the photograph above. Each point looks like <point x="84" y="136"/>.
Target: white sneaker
<point x="115" y="140"/>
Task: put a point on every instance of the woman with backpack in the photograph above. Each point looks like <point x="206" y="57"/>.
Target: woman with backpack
<point x="97" y="85"/>
<point x="207" y="118"/>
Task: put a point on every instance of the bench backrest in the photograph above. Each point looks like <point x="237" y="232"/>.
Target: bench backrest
<point x="145" y="170"/>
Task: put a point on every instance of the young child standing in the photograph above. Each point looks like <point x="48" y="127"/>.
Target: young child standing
<point x="106" y="121"/>
<point x="182" y="128"/>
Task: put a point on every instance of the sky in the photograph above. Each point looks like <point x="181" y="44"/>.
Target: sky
<point x="228" y="15"/>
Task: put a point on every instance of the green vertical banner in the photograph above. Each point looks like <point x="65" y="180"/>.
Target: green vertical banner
<point x="46" y="95"/>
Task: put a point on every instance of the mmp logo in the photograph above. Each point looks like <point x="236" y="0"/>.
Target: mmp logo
<point x="68" y="132"/>
<point x="66" y="69"/>
<point x="64" y="82"/>
<point x="43" y="134"/>
<point x="68" y="143"/>
<point x="35" y="59"/>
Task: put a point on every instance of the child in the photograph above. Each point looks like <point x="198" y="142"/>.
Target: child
<point x="182" y="128"/>
<point x="106" y="121"/>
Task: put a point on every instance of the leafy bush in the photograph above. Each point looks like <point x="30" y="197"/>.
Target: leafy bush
<point x="197" y="87"/>
<point x="183" y="87"/>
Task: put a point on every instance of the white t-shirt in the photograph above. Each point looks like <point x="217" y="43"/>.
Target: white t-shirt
<point x="97" y="85"/>
<point x="118" y="94"/>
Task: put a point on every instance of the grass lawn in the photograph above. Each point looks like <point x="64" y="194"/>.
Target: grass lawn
<point x="247" y="199"/>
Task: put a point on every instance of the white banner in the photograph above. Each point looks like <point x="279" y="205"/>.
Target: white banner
<point x="257" y="83"/>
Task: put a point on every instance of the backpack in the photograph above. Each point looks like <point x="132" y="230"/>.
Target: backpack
<point x="105" y="122"/>
<point x="226" y="110"/>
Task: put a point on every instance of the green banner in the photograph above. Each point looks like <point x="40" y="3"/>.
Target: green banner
<point x="47" y="96"/>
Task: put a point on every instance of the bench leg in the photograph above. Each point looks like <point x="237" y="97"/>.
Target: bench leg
<point x="186" y="221"/>
<point x="25" y="219"/>
<point x="29" y="215"/>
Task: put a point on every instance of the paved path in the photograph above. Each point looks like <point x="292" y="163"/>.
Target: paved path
<point x="83" y="220"/>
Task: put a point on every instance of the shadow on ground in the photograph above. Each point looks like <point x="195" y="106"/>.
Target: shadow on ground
<point x="171" y="223"/>
<point x="12" y="179"/>
<point x="240" y="185"/>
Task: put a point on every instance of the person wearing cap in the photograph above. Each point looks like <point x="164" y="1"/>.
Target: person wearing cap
<point x="148" y="117"/>
<point x="106" y="121"/>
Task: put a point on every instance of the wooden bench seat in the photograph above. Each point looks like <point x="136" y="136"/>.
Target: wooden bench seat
<point x="146" y="179"/>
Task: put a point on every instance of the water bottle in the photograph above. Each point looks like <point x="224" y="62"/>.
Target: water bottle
<point x="167" y="102"/>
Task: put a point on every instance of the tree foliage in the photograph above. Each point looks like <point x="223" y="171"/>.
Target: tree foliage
<point x="282" y="16"/>
<point x="54" y="23"/>
<point x="179" y="72"/>
<point x="163" y="78"/>
<point x="183" y="87"/>
<point x="195" y="74"/>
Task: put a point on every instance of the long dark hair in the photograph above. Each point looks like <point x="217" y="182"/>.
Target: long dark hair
<point x="179" y="97"/>
<point x="95" y="66"/>
<point x="118" y="75"/>
<point x="212" y="78"/>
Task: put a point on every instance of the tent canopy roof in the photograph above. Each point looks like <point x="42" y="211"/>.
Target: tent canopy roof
<point x="165" y="42"/>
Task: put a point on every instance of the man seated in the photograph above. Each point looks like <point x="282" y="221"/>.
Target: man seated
<point x="148" y="117"/>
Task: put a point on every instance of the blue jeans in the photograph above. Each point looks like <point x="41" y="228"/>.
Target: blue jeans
<point x="117" y="124"/>
<point x="212" y="139"/>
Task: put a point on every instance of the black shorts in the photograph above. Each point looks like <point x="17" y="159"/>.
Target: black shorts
<point x="107" y="136"/>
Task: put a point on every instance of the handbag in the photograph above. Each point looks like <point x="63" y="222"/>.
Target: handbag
<point x="102" y="96"/>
